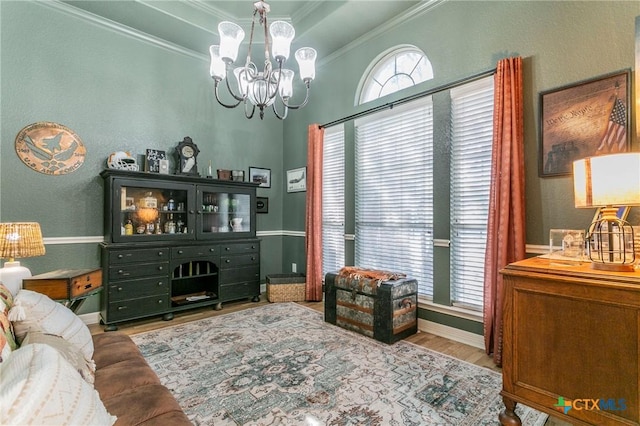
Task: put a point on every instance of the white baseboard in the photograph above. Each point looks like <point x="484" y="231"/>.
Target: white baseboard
<point x="451" y="333"/>
<point x="90" y="318"/>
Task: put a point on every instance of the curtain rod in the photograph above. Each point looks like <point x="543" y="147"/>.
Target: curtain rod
<point x="390" y="105"/>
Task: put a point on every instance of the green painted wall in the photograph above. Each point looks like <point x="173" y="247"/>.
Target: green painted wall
<point x="117" y="92"/>
<point x="120" y="92"/>
<point x="561" y="43"/>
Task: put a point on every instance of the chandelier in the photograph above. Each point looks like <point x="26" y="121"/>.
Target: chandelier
<point x="260" y="88"/>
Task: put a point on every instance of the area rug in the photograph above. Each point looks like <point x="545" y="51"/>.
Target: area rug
<point x="281" y="364"/>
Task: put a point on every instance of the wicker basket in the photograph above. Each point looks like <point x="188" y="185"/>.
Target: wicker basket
<point x="286" y="288"/>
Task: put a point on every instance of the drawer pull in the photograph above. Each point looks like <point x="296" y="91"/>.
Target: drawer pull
<point x="160" y="268"/>
<point x="253" y="258"/>
<point x="120" y="271"/>
<point x="160" y="253"/>
<point x="253" y="247"/>
<point x="227" y="248"/>
<point x="180" y="251"/>
<point x="228" y="261"/>
<point x="159" y="301"/>
<point x="119" y="288"/>
<point x="159" y="283"/>
<point x="212" y="250"/>
<point x="121" y="308"/>
<point x="120" y="256"/>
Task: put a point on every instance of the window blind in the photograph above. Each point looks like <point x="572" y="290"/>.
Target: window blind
<point x="333" y="207"/>
<point x="394" y="191"/>
<point x="471" y="142"/>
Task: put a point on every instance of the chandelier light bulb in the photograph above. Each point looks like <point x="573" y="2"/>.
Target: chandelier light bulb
<point x="286" y="82"/>
<point x="282" y="34"/>
<point x="231" y="35"/>
<point x="217" y="69"/>
<point x="306" y="57"/>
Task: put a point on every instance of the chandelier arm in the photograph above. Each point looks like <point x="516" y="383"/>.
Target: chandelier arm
<point x="215" y="89"/>
<point x="275" y="111"/>
<point x="253" y="109"/>
<point x="306" y="99"/>
<point x="231" y="92"/>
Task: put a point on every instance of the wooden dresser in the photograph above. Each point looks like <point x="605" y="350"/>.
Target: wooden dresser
<point x="571" y="342"/>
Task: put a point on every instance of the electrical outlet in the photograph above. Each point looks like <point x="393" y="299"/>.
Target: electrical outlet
<point x="294" y="267"/>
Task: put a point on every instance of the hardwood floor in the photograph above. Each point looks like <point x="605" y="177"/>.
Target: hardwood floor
<point x="440" y="344"/>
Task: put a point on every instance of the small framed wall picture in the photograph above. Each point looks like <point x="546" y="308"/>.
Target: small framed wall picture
<point x="262" y="205"/>
<point x="260" y="175"/>
<point x="297" y="180"/>
<point x="152" y="160"/>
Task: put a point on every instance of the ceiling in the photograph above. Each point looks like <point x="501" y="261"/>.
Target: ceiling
<point x="326" y="25"/>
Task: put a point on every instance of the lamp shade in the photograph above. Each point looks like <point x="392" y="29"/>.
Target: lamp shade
<point x="20" y="239"/>
<point x="607" y="180"/>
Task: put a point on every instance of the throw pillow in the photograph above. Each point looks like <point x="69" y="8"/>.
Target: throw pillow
<point x="68" y="351"/>
<point x="7" y="338"/>
<point x="40" y="387"/>
<point x="6" y="296"/>
<point x="35" y="311"/>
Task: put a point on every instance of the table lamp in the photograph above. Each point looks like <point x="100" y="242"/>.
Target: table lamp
<point x="609" y="182"/>
<point x="18" y="239"/>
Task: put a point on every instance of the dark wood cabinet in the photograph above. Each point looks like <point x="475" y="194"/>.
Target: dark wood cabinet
<point x="175" y="243"/>
<point x="570" y="342"/>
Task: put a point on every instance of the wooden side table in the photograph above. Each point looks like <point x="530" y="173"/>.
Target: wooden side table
<point x="71" y="287"/>
<point x="571" y="340"/>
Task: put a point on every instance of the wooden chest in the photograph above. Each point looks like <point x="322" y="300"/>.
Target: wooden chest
<point x="386" y="311"/>
<point x="65" y="284"/>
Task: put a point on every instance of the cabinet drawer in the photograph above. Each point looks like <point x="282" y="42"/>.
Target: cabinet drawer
<point x="117" y="257"/>
<point x="135" y="308"/>
<point x="124" y="272"/>
<point x="194" y="252"/>
<point x="236" y="275"/>
<point x="138" y="288"/>
<point x="239" y="260"/>
<point x="232" y="248"/>
<point x="239" y="290"/>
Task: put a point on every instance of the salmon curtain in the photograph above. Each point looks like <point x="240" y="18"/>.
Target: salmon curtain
<point x="313" y="220"/>
<point x="506" y="224"/>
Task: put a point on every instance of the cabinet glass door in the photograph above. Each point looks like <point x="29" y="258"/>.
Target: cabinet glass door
<point x="150" y="212"/>
<point x="223" y="212"/>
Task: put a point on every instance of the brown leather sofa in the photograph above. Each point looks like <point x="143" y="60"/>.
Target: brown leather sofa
<point x="129" y="388"/>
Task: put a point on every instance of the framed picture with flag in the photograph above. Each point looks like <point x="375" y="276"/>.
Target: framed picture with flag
<point x="584" y="119"/>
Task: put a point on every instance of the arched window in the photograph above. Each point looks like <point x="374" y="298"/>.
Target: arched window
<point x="394" y="70"/>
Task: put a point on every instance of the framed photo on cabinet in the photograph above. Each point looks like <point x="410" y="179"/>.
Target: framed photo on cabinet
<point x="297" y="180"/>
<point x="260" y="175"/>
<point x="583" y="119"/>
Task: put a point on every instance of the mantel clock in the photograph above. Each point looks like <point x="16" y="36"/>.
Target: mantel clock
<point x="187" y="153"/>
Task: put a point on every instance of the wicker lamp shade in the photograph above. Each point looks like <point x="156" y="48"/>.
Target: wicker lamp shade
<point x="20" y="239"/>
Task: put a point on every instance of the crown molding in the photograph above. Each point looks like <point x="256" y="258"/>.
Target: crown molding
<point x="401" y="19"/>
<point x="92" y="18"/>
<point x="194" y="5"/>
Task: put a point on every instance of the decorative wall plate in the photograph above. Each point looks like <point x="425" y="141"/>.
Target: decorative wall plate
<point x="50" y="148"/>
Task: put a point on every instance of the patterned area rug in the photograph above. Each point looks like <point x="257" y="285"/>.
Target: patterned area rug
<point x="281" y="364"/>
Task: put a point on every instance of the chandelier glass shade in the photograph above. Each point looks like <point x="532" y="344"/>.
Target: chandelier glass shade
<point x="260" y="88"/>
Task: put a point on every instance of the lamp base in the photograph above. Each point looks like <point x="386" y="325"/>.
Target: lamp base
<point x="612" y="267"/>
<point x="12" y="274"/>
